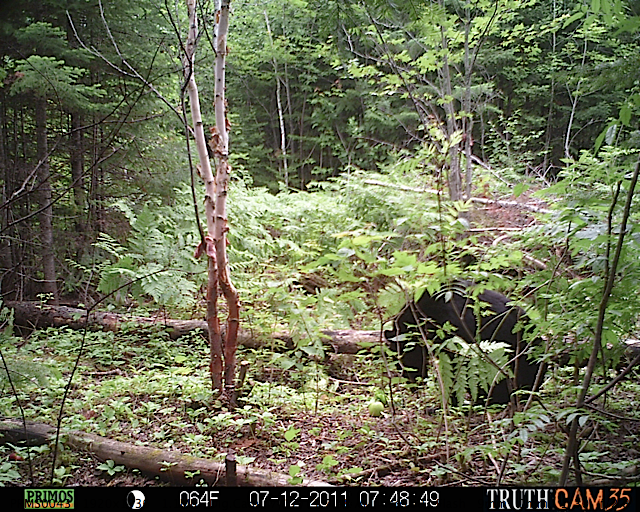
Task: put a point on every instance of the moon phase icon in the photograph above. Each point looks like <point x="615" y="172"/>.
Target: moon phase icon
<point x="135" y="500"/>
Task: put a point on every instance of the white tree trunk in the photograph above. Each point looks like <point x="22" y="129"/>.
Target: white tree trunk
<point x="223" y="171"/>
<point x="216" y="189"/>
<point x="283" y="136"/>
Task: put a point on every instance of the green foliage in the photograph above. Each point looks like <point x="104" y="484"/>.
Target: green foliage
<point x="157" y="261"/>
<point x="110" y="468"/>
<point x="23" y="370"/>
<point x="8" y="473"/>
<point x="295" y="472"/>
<point x="327" y="464"/>
<point x="42" y="38"/>
<point x="589" y="210"/>
<point x="290" y="228"/>
<point x="552" y="66"/>
<point x="526" y="424"/>
<point x="470" y="369"/>
<point x="266" y="234"/>
<point x="46" y="72"/>
<point x="47" y="77"/>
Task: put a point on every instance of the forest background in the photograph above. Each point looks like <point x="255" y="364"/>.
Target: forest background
<point x="344" y="118"/>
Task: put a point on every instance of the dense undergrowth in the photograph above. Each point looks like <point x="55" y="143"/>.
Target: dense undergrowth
<point x="345" y="254"/>
<point x="310" y="421"/>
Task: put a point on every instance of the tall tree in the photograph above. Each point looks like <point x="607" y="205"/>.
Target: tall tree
<point x="45" y="79"/>
<point x="283" y="136"/>
<point x="46" y="206"/>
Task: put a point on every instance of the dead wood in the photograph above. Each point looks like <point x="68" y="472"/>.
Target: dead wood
<point x="34" y="315"/>
<point x="479" y="200"/>
<point x="169" y="466"/>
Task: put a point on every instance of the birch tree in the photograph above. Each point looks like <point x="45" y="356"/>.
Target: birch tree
<point x="283" y="137"/>
<point x="214" y="244"/>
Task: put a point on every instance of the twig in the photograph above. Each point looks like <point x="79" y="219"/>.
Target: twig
<point x="614" y="381"/>
<point x="612" y="415"/>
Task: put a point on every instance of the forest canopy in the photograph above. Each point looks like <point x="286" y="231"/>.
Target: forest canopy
<point x="377" y="151"/>
<point x="316" y="90"/>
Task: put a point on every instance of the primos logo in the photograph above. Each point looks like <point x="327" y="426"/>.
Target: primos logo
<point x="49" y="498"/>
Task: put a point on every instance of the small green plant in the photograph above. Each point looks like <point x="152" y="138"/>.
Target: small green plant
<point x="327" y="464"/>
<point x="110" y="467"/>
<point x="529" y="423"/>
<point x="8" y="473"/>
<point x="289" y="445"/>
<point x="61" y="474"/>
<point x="295" y="474"/>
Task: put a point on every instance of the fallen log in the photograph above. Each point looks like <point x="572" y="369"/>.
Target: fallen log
<point x="34" y="315"/>
<point x="480" y="200"/>
<point x="169" y="466"/>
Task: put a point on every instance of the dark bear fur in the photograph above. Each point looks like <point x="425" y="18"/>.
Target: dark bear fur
<point x="497" y="321"/>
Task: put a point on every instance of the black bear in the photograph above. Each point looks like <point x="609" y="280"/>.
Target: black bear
<point x="453" y="304"/>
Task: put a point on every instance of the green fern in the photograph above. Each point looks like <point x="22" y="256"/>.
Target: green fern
<point x="23" y="372"/>
<point x="464" y="370"/>
<point x="445" y="367"/>
<point x="157" y="260"/>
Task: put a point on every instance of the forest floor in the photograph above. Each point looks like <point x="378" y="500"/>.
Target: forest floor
<point x="315" y="423"/>
<point x="306" y="420"/>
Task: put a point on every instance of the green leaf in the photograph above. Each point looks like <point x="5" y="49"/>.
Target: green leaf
<point x="345" y="252"/>
<point x="572" y="18"/>
<point x="294" y="470"/>
<point x="291" y="434"/>
<point x="625" y="114"/>
<point x="393" y="271"/>
<point x="361" y="240"/>
<point x="328" y="460"/>
<point x="519" y="189"/>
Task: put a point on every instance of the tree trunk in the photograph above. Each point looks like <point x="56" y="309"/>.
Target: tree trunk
<point x="467" y="120"/>
<point x="213" y="324"/>
<point x="454" y="175"/>
<point x="46" y="214"/>
<point x="223" y="171"/>
<point x="95" y="194"/>
<point x="7" y="274"/>
<point x="575" y="97"/>
<point x="216" y="190"/>
<point x="76" y="159"/>
<point x="283" y="137"/>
